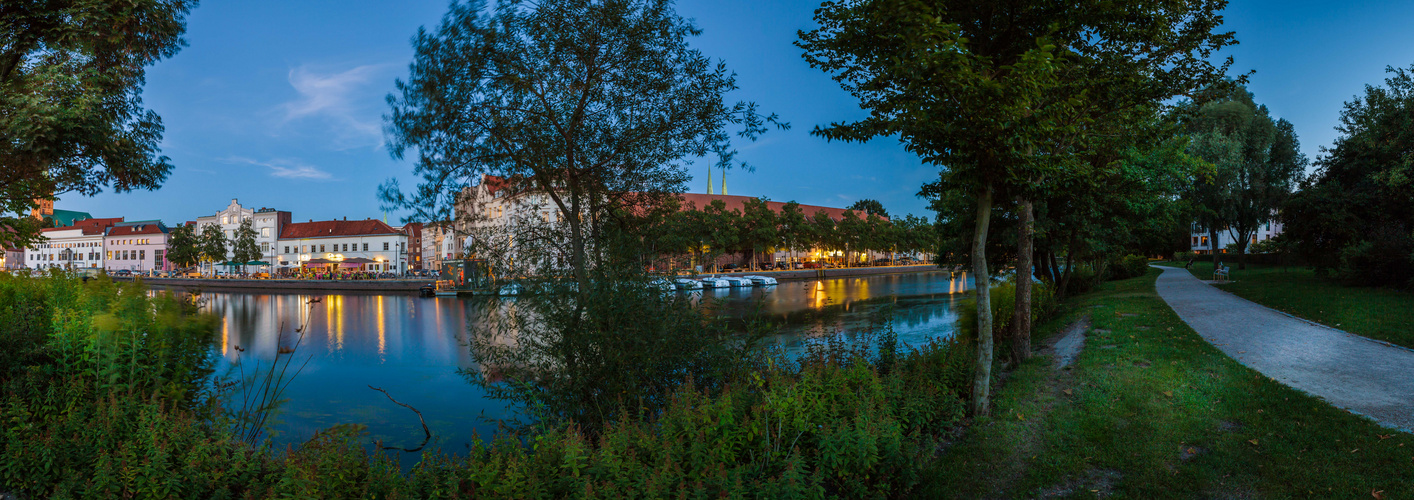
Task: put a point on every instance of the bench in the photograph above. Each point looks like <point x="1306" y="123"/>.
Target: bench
<point x="1222" y="272"/>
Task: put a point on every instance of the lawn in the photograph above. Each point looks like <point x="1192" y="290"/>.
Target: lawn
<point x="1151" y="410"/>
<point x="1377" y="313"/>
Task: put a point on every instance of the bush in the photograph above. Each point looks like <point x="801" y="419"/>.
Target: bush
<point x="842" y="420"/>
<point x="1129" y="266"/>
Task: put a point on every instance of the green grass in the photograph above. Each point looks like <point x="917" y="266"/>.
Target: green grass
<point x="1151" y="410"/>
<point x="1377" y="313"/>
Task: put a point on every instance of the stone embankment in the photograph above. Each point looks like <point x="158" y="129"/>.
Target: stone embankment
<point x="411" y="285"/>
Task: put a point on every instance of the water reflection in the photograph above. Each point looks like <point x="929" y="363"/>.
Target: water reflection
<point x="413" y="347"/>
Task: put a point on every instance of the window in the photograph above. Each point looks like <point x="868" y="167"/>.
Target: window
<point x="385" y="246"/>
<point x="264" y="232"/>
<point x="346" y="247"/>
<point x="142" y="255"/>
<point x="264" y="247"/>
<point x="110" y="255"/>
<point x="157" y="256"/>
<point x="365" y="247"/>
<point x="287" y="249"/>
<point x="321" y="248"/>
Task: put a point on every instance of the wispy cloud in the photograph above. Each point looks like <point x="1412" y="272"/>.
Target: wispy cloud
<point x="285" y="168"/>
<point x="343" y="100"/>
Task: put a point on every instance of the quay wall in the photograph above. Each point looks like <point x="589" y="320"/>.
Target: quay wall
<point x="411" y="285"/>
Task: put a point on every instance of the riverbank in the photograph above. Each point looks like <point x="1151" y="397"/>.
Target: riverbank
<point x="1151" y="410"/>
<point x="412" y="285"/>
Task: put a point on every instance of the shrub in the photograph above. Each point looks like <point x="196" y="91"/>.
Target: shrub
<point x="1126" y="267"/>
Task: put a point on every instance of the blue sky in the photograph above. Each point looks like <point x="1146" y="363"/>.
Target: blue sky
<point x="280" y="104"/>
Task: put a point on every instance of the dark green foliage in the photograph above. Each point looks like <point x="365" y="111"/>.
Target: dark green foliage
<point x="71" y="74"/>
<point x="1129" y="266"/>
<point x="616" y="352"/>
<point x="1355" y="214"/>
<point x="844" y="420"/>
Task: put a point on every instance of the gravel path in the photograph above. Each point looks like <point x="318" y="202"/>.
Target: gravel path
<point x="1364" y="376"/>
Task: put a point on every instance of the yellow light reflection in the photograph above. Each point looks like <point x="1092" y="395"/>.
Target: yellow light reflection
<point x="338" y="312"/>
<point x="382" y="340"/>
<point x="225" y="336"/>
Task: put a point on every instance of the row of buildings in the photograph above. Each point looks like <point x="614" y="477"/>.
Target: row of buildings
<point x="84" y="242"/>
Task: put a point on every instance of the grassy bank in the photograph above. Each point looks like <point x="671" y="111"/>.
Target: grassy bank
<point x="1151" y="410"/>
<point x="1377" y="313"/>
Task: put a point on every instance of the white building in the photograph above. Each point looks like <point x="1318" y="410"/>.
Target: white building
<point x="267" y="223"/>
<point x="342" y="245"/>
<point x="78" y="246"/>
<point x="439" y="243"/>
<point x="1227" y="236"/>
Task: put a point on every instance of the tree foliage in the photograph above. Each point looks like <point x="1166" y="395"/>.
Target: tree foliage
<point x="1257" y="163"/>
<point x="71" y="76"/>
<point x="1000" y="95"/>
<point x="600" y="105"/>
<point x="243" y="248"/>
<point x="183" y="246"/>
<point x="1354" y="214"/>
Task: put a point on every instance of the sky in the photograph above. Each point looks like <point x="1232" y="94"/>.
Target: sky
<point x="279" y="104"/>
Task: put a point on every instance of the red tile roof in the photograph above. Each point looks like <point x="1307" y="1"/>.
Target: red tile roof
<point x="699" y="201"/>
<point x="332" y="228"/>
<point x="132" y="229"/>
<point x="89" y="226"/>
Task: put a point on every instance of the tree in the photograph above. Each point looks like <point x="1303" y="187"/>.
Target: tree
<point x="243" y="247"/>
<point x="793" y="231"/>
<point x="212" y="245"/>
<point x="722" y="229"/>
<point x="1257" y="160"/>
<point x="869" y="207"/>
<point x="182" y="246"/>
<point x="596" y="104"/>
<point x="71" y="74"/>
<point x="822" y="233"/>
<point x="986" y="89"/>
<point x="759" y="227"/>
<point x="1355" y="215"/>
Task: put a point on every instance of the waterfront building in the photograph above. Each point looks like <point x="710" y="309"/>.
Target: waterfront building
<point x="137" y="246"/>
<point x="439" y="243"/>
<point x="267" y="222"/>
<point x="342" y="245"/>
<point x="413" y="256"/>
<point x="499" y="216"/>
<point x="14" y="258"/>
<point x="79" y="246"/>
<point x="1199" y="243"/>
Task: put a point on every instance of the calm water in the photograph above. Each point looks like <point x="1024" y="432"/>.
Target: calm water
<point x="413" y="347"/>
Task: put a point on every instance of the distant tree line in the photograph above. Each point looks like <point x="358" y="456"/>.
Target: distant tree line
<point x="689" y="237"/>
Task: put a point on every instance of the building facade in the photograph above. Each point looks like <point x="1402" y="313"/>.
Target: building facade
<point x="79" y="246"/>
<point x="267" y="222"/>
<point x="1199" y="243"/>
<point x="342" y="245"/>
<point x="137" y="246"/>
<point x="439" y="243"/>
<point x="413" y="255"/>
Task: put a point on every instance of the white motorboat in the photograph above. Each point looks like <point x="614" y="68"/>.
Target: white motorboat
<point x="509" y="290"/>
<point x="715" y="283"/>
<point x="687" y="284"/>
<point x="761" y="280"/>
<point x="662" y="285"/>
<point x="737" y="281"/>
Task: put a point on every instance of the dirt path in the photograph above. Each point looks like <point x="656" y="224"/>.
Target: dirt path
<point x="1349" y="371"/>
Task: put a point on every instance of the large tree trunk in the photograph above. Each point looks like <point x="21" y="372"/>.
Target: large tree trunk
<point x="1213" y="244"/>
<point x="1021" y="319"/>
<point x="982" y="376"/>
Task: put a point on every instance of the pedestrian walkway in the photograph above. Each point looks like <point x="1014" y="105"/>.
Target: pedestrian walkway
<point x="1365" y="376"/>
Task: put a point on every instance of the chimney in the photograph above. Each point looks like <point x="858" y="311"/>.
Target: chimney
<point x="346" y="217"/>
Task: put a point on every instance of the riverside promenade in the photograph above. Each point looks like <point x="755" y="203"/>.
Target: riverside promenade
<point x="411" y="285"/>
<point x="1361" y="375"/>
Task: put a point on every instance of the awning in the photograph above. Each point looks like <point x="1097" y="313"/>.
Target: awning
<point x="318" y="261"/>
<point x="359" y="260"/>
<point x="349" y="264"/>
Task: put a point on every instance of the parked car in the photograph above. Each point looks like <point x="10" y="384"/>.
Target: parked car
<point x="730" y="267"/>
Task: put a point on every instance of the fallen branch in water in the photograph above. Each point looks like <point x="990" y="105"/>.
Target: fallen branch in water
<point x="419" y="418"/>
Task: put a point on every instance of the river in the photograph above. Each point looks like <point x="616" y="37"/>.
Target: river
<point x="413" y="347"/>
